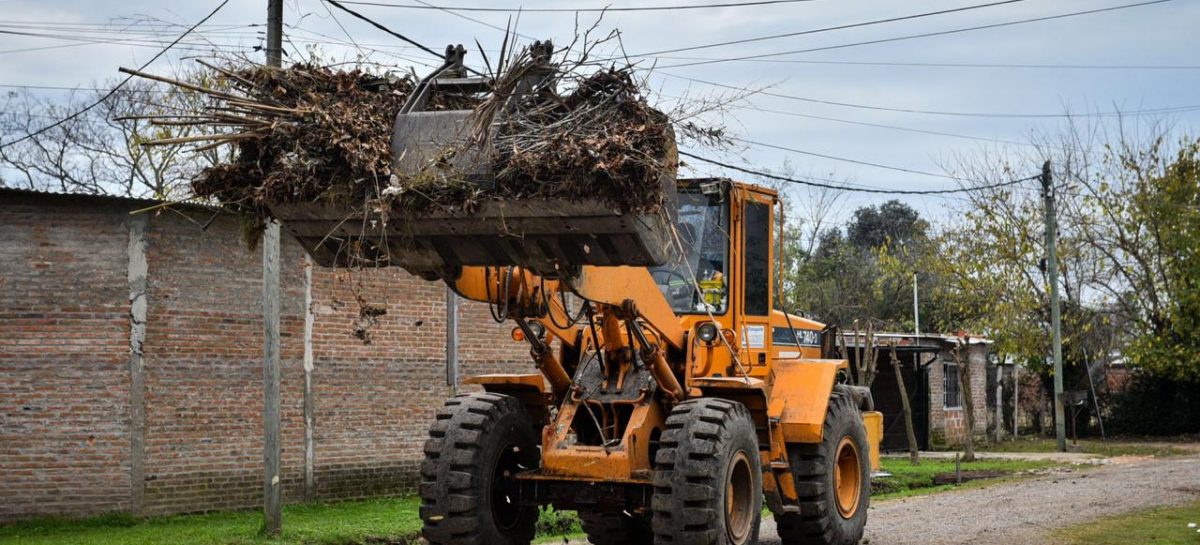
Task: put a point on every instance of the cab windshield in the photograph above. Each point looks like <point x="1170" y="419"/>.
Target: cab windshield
<point x="695" y="281"/>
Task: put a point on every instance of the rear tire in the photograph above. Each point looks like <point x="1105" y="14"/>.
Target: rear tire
<point x="468" y="496"/>
<point x="707" y="476"/>
<point x="833" y="480"/>
<point x="616" y="528"/>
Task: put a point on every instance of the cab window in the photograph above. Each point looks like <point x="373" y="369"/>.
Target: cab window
<point x="695" y="281"/>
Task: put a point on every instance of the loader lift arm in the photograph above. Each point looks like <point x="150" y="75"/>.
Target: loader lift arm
<point x="624" y="298"/>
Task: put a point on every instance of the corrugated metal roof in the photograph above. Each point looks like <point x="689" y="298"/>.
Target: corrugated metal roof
<point x="908" y="338"/>
<point x="66" y="195"/>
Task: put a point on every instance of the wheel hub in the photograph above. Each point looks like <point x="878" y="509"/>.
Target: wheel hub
<point x="505" y="507"/>
<point x="847" y="477"/>
<point x="739" y="500"/>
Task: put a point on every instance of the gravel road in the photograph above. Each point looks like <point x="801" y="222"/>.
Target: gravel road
<point x="1023" y="513"/>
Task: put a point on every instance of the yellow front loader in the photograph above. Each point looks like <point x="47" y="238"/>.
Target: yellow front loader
<point x="672" y="398"/>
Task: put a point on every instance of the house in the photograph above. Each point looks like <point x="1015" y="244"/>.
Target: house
<point x="930" y="373"/>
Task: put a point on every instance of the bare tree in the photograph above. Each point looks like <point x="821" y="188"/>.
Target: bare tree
<point x="866" y="354"/>
<point x="962" y="358"/>
<point x="913" y="455"/>
<point x="101" y="151"/>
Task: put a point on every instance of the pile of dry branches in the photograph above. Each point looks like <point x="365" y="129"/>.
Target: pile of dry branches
<point x="301" y="134"/>
<point x="601" y="140"/>
<point x="309" y="133"/>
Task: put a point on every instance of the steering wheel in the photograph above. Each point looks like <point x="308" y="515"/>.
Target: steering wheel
<point x="671" y="274"/>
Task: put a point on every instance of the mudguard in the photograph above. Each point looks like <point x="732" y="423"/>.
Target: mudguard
<point x="799" y="396"/>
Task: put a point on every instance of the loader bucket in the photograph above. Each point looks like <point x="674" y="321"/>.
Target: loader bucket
<point x="548" y="237"/>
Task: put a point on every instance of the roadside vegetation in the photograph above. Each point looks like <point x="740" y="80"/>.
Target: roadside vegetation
<point x="390" y="521"/>
<point x="394" y="521"/>
<point x="367" y="521"/>
<point x="1161" y="526"/>
<point x="933" y="476"/>
<point x="1088" y="446"/>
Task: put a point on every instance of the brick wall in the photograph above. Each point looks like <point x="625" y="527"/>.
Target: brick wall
<point x="66" y="400"/>
<point x="947" y="425"/>
<point x="64" y="348"/>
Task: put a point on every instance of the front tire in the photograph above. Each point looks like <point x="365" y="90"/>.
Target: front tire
<point x="707" y="476"/>
<point x="833" y="480"/>
<point x="468" y="496"/>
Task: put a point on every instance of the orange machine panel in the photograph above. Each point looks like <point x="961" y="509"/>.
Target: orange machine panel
<point x="800" y="396"/>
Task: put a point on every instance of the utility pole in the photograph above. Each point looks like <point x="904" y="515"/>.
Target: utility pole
<point x="272" y="483"/>
<point x="1016" y="400"/>
<point x="999" y="402"/>
<point x="452" y="340"/>
<point x="916" y="308"/>
<point x="1060" y="425"/>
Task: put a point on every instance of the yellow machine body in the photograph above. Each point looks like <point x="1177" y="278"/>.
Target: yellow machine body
<point x="769" y="361"/>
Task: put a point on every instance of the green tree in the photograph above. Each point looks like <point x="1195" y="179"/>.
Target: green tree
<point x="892" y="222"/>
<point x="835" y="274"/>
<point x="1150" y="244"/>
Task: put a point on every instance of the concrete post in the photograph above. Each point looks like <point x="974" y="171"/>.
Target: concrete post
<point x="272" y="452"/>
<point x="138" y="275"/>
<point x="1060" y="424"/>
<point x="309" y="397"/>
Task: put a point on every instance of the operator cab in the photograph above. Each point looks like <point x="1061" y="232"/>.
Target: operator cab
<point x="695" y="279"/>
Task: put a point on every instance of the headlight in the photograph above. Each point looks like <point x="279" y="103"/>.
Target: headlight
<point x="537" y="328"/>
<point x="707" y="332"/>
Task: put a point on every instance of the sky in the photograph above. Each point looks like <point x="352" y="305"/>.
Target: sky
<point x="876" y="78"/>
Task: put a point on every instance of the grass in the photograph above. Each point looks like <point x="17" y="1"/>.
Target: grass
<point x="377" y="521"/>
<point x="908" y="480"/>
<point x="1087" y="446"/>
<point x="1159" y="526"/>
<point x="386" y="520"/>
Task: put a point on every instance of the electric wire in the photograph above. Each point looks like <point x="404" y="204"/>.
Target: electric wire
<point x="380" y="26"/>
<point x="1151" y="111"/>
<point x="923" y="34"/>
<point x="911" y="64"/>
<point x="885" y="126"/>
<point x="842" y="159"/>
<point x="120" y="84"/>
<point x="826" y="29"/>
<point x="810" y="183"/>
<point x="581" y="10"/>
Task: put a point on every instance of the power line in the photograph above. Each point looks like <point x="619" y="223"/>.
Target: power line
<point x="922" y="35"/>
<point x="827" y="29"/>
<point x="823" y="185"/>
<point x="68" y="88"/>
<point x="84" y="38"/>
<point x="344" y="31"/>
<point x="842" y="159"/>
<point x="380" y="26"/>
<point x="152" y="28"/>
<point x="960" y="64"/>
<point x="885" y="126"/>
<point x="118" y="85"/>
<point x="476" y="21"/>
<point x="579" y="10"/>
<point x="150" y="40"/>
<point x="324" y="39"/>
<point x="1152" y="111"/>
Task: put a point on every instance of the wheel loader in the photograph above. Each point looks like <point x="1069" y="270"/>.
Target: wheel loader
<point x="672" y="397"/>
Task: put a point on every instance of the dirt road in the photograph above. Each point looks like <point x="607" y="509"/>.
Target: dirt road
<point x="1023" y="513"/>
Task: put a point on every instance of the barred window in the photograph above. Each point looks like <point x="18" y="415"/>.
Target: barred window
<point x="950" y="385"/>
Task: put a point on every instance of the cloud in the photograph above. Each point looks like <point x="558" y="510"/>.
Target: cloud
<point x="1160" y="34"/>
